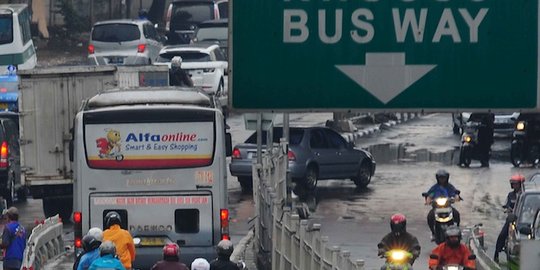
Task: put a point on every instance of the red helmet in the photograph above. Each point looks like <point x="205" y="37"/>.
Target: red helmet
<point x="398" y="223"/>
<point x="517" y="179"/>
<point x="171" y="250"/>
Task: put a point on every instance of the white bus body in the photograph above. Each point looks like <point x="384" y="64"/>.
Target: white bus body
<point x="157" y="157"/>
<point x="16" y="46"/>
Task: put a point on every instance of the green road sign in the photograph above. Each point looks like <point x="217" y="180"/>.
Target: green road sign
<point x="384" y="54"/>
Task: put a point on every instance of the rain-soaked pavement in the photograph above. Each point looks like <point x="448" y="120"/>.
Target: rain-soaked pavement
<point x="357" y="220"/>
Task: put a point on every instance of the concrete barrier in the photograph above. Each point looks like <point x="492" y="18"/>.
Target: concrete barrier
<point x="44" y="244"/>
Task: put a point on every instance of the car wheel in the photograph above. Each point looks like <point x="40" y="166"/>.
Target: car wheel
<point x="311" y="178"/>
<point x="246" y="183"/>
<point x="363" y="176"/>
<point x="21" y="194"/>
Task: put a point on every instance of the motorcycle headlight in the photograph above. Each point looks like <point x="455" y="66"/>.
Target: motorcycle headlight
<point x="441" y="201"/>
<point x="397" y="255"/>
<point x="467" y="139"/>
<point x="520" y="125"/>
<point x="452" y="267"/>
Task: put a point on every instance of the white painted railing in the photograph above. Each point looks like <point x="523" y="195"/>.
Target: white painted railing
<point x="280" y="234"/>
<point x="44" y="244"/>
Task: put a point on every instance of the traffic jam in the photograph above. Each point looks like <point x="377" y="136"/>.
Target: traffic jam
<point x="141" y="127"/>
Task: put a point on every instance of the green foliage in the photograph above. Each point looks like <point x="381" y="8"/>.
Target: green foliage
<point x="74" y="23"/>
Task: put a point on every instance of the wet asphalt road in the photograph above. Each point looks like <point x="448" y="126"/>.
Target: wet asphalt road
<point x="357" y="220"/>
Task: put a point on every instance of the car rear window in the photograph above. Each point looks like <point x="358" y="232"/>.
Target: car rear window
<point x="529" y="208"/>
<point x="189" y="12"/>
<point x="116" y="32"/>
<point x="212" y="33"/>
<point x="187" y="56"/>
<point x="295" y="136"/>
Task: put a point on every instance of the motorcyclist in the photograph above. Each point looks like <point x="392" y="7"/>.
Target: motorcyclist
<point x="121" y="238"/>
<point x="399" y="238"/>
<point x="91" y="251"/>
<point x="224" y="250"/>
<point x="171" y="259"/>
<point x="442" y="189"/>
<point x="485" y="138"/>
<point x="178" y="76"/>
<point x="452" y="251"/>
<point x="516" y="183"/>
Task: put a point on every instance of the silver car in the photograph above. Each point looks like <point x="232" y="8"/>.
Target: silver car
<point x="315" y="153"/>
<point x="123" y="42"/>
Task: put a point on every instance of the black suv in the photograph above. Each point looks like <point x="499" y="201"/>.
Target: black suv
<point x="184" y="16"/>
<point x="10" y="158"/>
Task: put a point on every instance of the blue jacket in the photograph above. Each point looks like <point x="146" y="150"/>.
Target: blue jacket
<point x="107" y="262"/>
<point x="87" y="259"/>
<point x="14" y="241"/>
<point x="511" y="200"/>
<point x="442" y="191"/>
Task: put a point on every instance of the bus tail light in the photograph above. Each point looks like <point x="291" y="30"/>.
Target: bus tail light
<point x="4" y="155"/>
<point x="224" y="218"/>
<point x="77" y="229"/>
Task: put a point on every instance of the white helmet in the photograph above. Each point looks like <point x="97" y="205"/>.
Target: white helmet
<point x="96" y="233"/>
<point x="176" y="62"/>
<point x="200" y="264"/>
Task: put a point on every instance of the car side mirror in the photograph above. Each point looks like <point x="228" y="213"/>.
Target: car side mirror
<point x="525" y="230"/>
<point x="228" y="144"/>
<point x="472" y="257"/>
<point x="433" y="256"/>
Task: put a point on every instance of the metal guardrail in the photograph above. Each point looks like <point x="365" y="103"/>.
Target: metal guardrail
<point x="280" y="233"/>
<point x="475" y="240"/>
<point x="45" y="243"/>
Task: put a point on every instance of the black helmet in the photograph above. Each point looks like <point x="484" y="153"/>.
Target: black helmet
<point x="224" y="248"/>
<point x="442" y="174"/>
<point x="112" y="218"/>
<point x="89" y="243"/>
<point x="453" y="231"/>
<point x="398" y="223"/>
<point x="107" y="248"/>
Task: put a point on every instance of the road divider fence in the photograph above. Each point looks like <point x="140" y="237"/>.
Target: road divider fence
<point x="44" y="244"/>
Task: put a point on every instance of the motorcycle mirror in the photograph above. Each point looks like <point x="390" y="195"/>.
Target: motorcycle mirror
<point x="458" y="191"/>
<point x="424" y="194"/>
<point x="433" y="256"/>
<point x="472" y="257"/>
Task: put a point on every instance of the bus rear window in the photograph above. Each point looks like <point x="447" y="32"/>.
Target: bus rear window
<point x="6" y="28"/>
<point x="186" y="220"/>
<point x="149" y="145"/>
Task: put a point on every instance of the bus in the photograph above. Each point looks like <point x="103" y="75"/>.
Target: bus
<point x="157" y="156"/>
<point x="16" y="46"/>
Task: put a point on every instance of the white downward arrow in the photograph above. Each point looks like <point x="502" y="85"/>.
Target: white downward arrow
<point x="385" y="75"/>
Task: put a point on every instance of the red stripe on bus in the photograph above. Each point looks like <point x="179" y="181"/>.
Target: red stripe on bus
<point x="149" y="163"/>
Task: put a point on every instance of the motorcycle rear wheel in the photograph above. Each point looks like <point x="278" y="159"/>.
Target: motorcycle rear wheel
<point x="515" y="155"/>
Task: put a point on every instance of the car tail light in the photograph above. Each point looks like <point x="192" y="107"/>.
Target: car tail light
<point x="77" y="229"/>
<point x="208" y="70"/>
<point x="28" y="268"/>
<point x="291" y="155"/>
<point x="141" y="48"/>
<point x="224" y="218"/>
<point x="91" y="49"/>
<point x="236" y="153"/>
<point x="4" y="155"/>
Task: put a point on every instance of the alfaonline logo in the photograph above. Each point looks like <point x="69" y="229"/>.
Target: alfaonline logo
<point x="149" y="137"/>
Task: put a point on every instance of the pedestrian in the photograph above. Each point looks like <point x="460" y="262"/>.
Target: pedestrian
<point x="223" y="262"/>
<point x="91" y="252"/>
<point x="13" y="240"/>
<point x="121" y="238"/>
<point x="171" y="259"/>
<point x="97" y="234"/>
<point x="200" y="264"/>
<point x="108" y="259"/>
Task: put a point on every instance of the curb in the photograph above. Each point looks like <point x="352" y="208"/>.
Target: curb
<point x="368" y="130"/>
<point x="241" y="249"/>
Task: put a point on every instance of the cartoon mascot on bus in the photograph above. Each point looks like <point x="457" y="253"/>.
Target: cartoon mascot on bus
<point x="109" y="146"/>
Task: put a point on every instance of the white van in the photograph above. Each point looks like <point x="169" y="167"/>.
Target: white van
<point x="157" y="157"/>
<point x="16" y="46"/>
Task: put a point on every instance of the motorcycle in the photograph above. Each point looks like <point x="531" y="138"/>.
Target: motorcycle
<point x="452" y="266"/>
<point x="397" y="259"/>
<point x="525" y="147"/>
<point x="469" y="148"/>
<point x="444" y="216"/>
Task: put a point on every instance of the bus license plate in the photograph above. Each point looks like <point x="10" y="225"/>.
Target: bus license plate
<point x="153" y="241"/>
